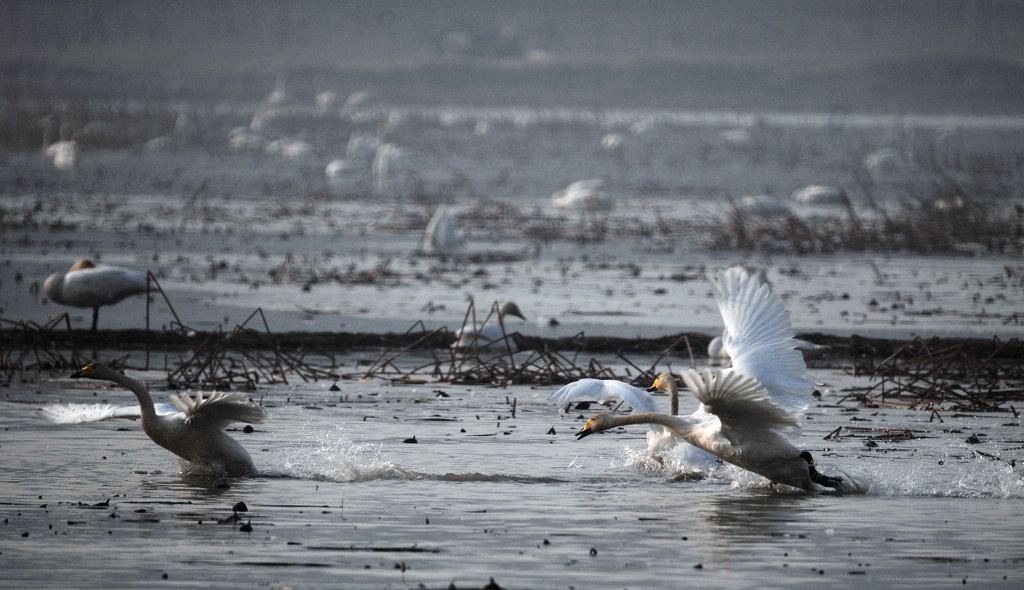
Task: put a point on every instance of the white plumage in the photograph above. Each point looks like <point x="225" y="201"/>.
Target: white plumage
<point x="73" y="413"/>
<point x="583" y="195"/>
<point x="659" y="438"/>
<point x="442" y="235"/>
<point x="195" y="432"/>
<point x="88" y="285"/>
<point x="745" y="410"/>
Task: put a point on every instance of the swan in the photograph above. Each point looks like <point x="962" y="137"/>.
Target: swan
<point x="64" y="152"/>
<point x="196" y="431"/>
<point x="88" y="285"/>
<point x="659" y="438"/>
<point x="491" y="335"/>
<point x="819" y="194"/>
<point x="583" y="195"/>
<point x="745" y="410"/>
<point x="763" y="205"/>
<point x="442" y="235"/>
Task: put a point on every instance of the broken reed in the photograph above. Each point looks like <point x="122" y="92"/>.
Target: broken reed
<point x="497" y="364"/>
<point x="930" y="375"/>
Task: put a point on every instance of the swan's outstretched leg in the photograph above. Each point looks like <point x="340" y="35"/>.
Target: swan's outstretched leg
<point x="824" y="480"/>
<point x="95" y="317"/>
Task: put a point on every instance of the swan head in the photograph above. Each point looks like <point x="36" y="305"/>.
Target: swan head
<point x="661" y="383"/>
<point x="510" y="308"/>
<point x="597" y="423"/>
<point x="82" y="264"/>
<point x="94" y="371"/>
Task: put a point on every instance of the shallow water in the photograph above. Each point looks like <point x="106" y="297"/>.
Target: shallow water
<point x="342" y="501"/>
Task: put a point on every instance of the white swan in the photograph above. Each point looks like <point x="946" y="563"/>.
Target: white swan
<point x="63" y="152"/>
<point x="442" y="235"/>
<point x="745" y="410"/>
<point x="819" y="194"/>
<point x="763" y="205"/>
<point x="196" y="432"/>
<point x="88" y="285"/>
<point x="492" y="335"/>
<point x="583" y="195"/>
<point x="659" y="438"/>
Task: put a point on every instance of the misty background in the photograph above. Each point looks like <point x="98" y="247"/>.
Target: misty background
<point x="796" y="55"/>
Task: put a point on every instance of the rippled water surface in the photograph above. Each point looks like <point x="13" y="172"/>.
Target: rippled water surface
<point x="343" y="501"/>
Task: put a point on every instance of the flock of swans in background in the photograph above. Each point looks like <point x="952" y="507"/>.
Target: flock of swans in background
<point x="744" y="414"/>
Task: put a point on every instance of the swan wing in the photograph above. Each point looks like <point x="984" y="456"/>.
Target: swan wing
<point x="739" y="402"/>
<point x="83" y="413"/>
<point x="218" y="410"/>
<point x="599" y="389"/>
<point x="759" y="337"/>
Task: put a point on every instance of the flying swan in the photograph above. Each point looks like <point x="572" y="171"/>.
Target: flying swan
<point x="196" y="431"/>
<point x="745" y="410"/>
<point x="88" y="285"/>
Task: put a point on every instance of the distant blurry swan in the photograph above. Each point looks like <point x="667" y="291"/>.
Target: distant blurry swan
<point x="442" y="235"/>
<point x="659" y="438"/>
<point x="763" y="205"/>
<point x="88" y="285"/>
<point x="390" y="170"/>
<point x="819" y="194"/>
<point x="745" y="410"/>
<point x="196" y="432"/>
<point x="490" y="335"/>
<point x="63" y="153"/>
<point x="583" y="195"/>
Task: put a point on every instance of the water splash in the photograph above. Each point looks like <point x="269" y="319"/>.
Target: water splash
<point x="326" y="454"/>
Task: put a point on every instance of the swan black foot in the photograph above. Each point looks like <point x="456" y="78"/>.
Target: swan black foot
<point x="823" y="480"/>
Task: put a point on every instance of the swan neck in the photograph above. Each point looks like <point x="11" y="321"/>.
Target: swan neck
<point x="673" y="397"/>
<point x="145" y="400"/>
<point x="681" y="425"/>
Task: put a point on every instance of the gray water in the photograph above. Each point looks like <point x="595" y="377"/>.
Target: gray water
<point x="342" y="501"/>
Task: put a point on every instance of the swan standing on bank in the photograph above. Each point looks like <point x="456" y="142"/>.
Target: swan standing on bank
<point x="196" y="432"/>
<point x="88" y="285"/>
<point x="491" y="335"/>
<point x="745" y="410"/>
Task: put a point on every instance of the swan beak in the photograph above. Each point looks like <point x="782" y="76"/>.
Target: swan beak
<point x="652" y="389"/>
<point x="585" y="431"/>
<point x="85" y="372"/>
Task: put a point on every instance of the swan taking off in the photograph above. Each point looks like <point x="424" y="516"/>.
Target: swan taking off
<point x="195" y="432"/>
<point x="492" y="335"/>
<point x="745" y="411"/>
<point x="88" y="285"/>
<point x="659" y="438"/>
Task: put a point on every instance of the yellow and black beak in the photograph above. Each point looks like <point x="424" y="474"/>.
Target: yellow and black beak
<point x="85" y="372"/>
<point x="586" y="431"/>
